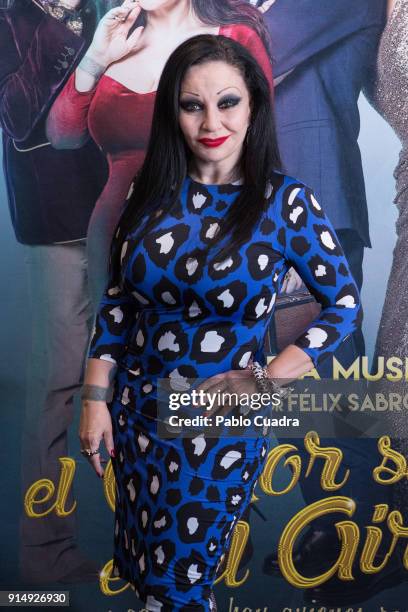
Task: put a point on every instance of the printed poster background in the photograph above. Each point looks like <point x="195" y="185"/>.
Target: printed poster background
<point x="379" y="149"/>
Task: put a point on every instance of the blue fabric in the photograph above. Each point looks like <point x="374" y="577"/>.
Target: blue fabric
<point x="294" y="232"/>
<point x="329" y="46"/>
<point x="181" y="315"/>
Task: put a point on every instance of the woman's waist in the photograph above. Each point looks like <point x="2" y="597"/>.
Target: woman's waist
<point x="181" y="360"/>
<point x="170" y="337"/>
<point x="122" y="171"/>
<point x="178" y="400"/>
<point x="151" y="366"/>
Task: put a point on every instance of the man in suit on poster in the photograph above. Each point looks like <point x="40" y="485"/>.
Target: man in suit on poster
<point x="321" y="54"/>
<point x="51" y="195"/>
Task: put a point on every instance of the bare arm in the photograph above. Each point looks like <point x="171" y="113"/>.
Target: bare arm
<point x="95" y="422"/>
<point x="390" y="7"/>
<point x="291" y="363"/>
<point x="110" y="43"/>
<point x="116" y="314"/>
<point x="67" y="122"/>
<point x="99" y="372"/>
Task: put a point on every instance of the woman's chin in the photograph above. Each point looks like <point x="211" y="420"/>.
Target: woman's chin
<point x="152" y="5"/>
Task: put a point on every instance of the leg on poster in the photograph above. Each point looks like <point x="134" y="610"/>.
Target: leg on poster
<point x="61" y="319"/>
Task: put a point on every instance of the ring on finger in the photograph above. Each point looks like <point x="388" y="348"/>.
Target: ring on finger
<point x="88" y="452"/>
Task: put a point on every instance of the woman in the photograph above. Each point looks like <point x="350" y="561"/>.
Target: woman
<point x="199" y="255"/>
<point x="387" y="91"/>
<point x="115" y="102"/>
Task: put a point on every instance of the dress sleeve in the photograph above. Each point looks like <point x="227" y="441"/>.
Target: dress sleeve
<point x="67" y="122"/>
<point x="309" y="243"/>
<point x="117" y="313"/>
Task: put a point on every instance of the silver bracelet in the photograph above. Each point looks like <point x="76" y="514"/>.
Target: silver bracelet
<point x="265" y="383"/>
<point x="89" y="65"/>
<point x="97" y="394"/>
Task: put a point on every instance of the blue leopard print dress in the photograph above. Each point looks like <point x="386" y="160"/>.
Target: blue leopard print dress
<point x="178" y="315"/>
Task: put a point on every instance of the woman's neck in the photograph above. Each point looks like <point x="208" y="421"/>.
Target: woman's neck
<point x="211" y="174"/>
<point x="176" y="15"/>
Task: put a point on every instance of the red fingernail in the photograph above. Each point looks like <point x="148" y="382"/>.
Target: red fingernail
<point x="112" y="453"/>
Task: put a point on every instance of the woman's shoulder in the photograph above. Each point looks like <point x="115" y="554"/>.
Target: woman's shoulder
<point x="286" y="180"/>
<point x="290" y="196"/>
<point x="284" y="185"/>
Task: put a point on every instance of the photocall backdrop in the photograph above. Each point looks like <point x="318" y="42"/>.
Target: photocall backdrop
<point x="379" y="149"/>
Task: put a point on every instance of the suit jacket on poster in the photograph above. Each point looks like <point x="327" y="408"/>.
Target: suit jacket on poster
<point x="328" y="45"/>
<point x="51" y="193"/>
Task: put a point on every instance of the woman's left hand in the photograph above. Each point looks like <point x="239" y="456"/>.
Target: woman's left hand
<point x="96" y="425"/>
<point x="111" y="41"/>
<point x="238" y="382"/>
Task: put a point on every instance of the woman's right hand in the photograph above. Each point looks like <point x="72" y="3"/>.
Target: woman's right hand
<point x="95" y="425"/>
<point x="110" y="42"/>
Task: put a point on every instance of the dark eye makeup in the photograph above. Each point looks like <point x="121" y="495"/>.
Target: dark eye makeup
<point x="229" y="101"/>
<point x="192" y="105"/>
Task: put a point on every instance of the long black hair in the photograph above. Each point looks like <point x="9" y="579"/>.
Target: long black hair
<point x="159" y="181"/>
<point x="211" y="12"/>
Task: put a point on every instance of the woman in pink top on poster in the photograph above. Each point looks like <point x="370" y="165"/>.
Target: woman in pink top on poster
<point x="111" y="94"/>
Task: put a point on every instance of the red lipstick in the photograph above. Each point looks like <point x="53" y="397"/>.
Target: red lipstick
<point x="213" y="142"/>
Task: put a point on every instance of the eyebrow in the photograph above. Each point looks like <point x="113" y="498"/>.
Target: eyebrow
<point x="192" y="93"/>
